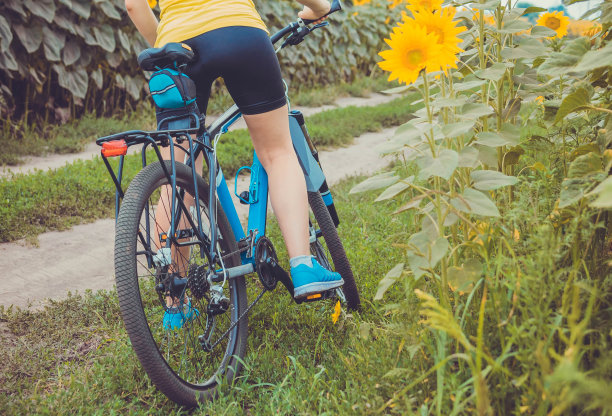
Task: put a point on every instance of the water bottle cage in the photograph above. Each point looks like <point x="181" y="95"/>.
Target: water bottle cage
<point x="245" y="197"/>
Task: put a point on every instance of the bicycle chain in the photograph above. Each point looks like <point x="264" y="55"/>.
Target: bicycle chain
<point x="248" y="309"/>
<point x="239" y="251"/>
<point x="233" y="325"/>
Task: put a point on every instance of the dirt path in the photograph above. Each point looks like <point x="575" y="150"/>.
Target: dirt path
<point x="55" y="161"/>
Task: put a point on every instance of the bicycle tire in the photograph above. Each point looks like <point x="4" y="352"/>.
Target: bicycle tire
<point x="158" y="363"/>
<point x="335" y="248"/>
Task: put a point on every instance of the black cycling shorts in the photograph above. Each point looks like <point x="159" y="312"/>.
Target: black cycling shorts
<point x="244" y="57"/>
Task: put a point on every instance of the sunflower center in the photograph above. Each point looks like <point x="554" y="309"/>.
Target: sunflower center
<point x="415" y="57"/>
<point x="553" y="23"/>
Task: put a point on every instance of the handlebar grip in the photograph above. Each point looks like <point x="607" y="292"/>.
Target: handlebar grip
<point x="335" y="6"/>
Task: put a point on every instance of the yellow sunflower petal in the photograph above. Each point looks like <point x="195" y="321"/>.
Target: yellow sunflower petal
<point x="488" y="19"/>
<point x="337" y="311"/>
<point x="425" y="4"/>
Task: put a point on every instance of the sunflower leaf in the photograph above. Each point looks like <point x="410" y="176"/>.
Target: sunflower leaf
<point x="375" y="182"/>
<point x="475" y="202"/>
<point x="573" y="102"/>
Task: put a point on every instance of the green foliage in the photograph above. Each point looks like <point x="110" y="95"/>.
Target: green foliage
<point x="505" y="173"/>
<point x="347" y="48"/>
<point x="74" y="135"/>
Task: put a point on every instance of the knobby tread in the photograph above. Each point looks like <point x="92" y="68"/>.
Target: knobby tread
<point x="128" y="291"/>
<point x="336" y="249"/>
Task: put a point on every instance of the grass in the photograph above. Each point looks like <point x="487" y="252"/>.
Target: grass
<point x="74" y="356"/>
<point x="72" y="136"/>
<point x="83" y="191"/>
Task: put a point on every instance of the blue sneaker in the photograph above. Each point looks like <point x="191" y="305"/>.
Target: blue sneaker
<point x="175" y="317"/>
<point x="316" y="279"/>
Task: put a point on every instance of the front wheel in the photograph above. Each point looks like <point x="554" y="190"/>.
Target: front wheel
<point x="331" y="246"/>
<point x="187" y="361"/>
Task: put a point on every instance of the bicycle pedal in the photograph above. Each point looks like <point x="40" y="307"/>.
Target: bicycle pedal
<point x="328" y="294"/>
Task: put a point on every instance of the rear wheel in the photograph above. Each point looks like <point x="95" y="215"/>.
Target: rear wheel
<point x="178" y="361"/>
<point x="328" y="246"/>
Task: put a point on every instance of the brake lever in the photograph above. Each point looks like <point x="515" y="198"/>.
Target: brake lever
<point x="300" y="33"/>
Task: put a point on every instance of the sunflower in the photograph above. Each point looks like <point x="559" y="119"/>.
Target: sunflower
<point x="412" y="49"/>
<point x="556" y="21"/>
<point x="360" y="2"/>
<point x="441" y="23"/>
<point x="593" y="30"/>
<point x="152" y="3"/>
<point x="425" y="4"/>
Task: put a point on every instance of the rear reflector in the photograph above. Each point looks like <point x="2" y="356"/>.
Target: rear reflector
<point x="114" y="148"/>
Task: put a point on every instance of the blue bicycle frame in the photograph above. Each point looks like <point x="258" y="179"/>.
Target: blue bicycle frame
<point x="183" y="127"/>
<point x="258" y="187"/>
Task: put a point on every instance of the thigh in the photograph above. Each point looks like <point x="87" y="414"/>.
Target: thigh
<point x="251" y="71"/>
<point x="244" y="57"/>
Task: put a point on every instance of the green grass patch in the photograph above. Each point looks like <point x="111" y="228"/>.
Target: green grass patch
<point x="83" y="191"/>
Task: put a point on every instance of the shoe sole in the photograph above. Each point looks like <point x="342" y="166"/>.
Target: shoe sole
<point x="316" y="287"/>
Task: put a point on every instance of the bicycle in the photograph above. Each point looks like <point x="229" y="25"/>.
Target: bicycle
<point x="200" y="263"/>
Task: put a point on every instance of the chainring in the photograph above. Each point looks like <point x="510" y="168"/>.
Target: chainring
<point x="265" y="259"/>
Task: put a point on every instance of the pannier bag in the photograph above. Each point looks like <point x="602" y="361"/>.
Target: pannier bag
<point x="172" y="89"/>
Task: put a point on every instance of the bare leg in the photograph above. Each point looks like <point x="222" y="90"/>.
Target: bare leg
<point x="272" y="142"/>
<point x="180" y="256"/>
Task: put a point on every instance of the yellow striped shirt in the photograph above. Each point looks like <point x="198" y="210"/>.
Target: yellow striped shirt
<point x="184" y="19"/>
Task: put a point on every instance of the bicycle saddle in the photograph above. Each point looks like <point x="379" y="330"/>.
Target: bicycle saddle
<point x="168" y="55"/>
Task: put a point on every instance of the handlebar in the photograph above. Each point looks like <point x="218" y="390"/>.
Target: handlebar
<point x="299" y="28"/>
<point x="335" y="6"/>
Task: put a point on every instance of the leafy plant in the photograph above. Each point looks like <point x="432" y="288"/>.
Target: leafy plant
<point x="463" y="154"/>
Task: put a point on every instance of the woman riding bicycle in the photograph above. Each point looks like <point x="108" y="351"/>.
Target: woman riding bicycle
<point x="231" y="41"/>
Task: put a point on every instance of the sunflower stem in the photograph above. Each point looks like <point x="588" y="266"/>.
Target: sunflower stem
<point x="430" y="138"/>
